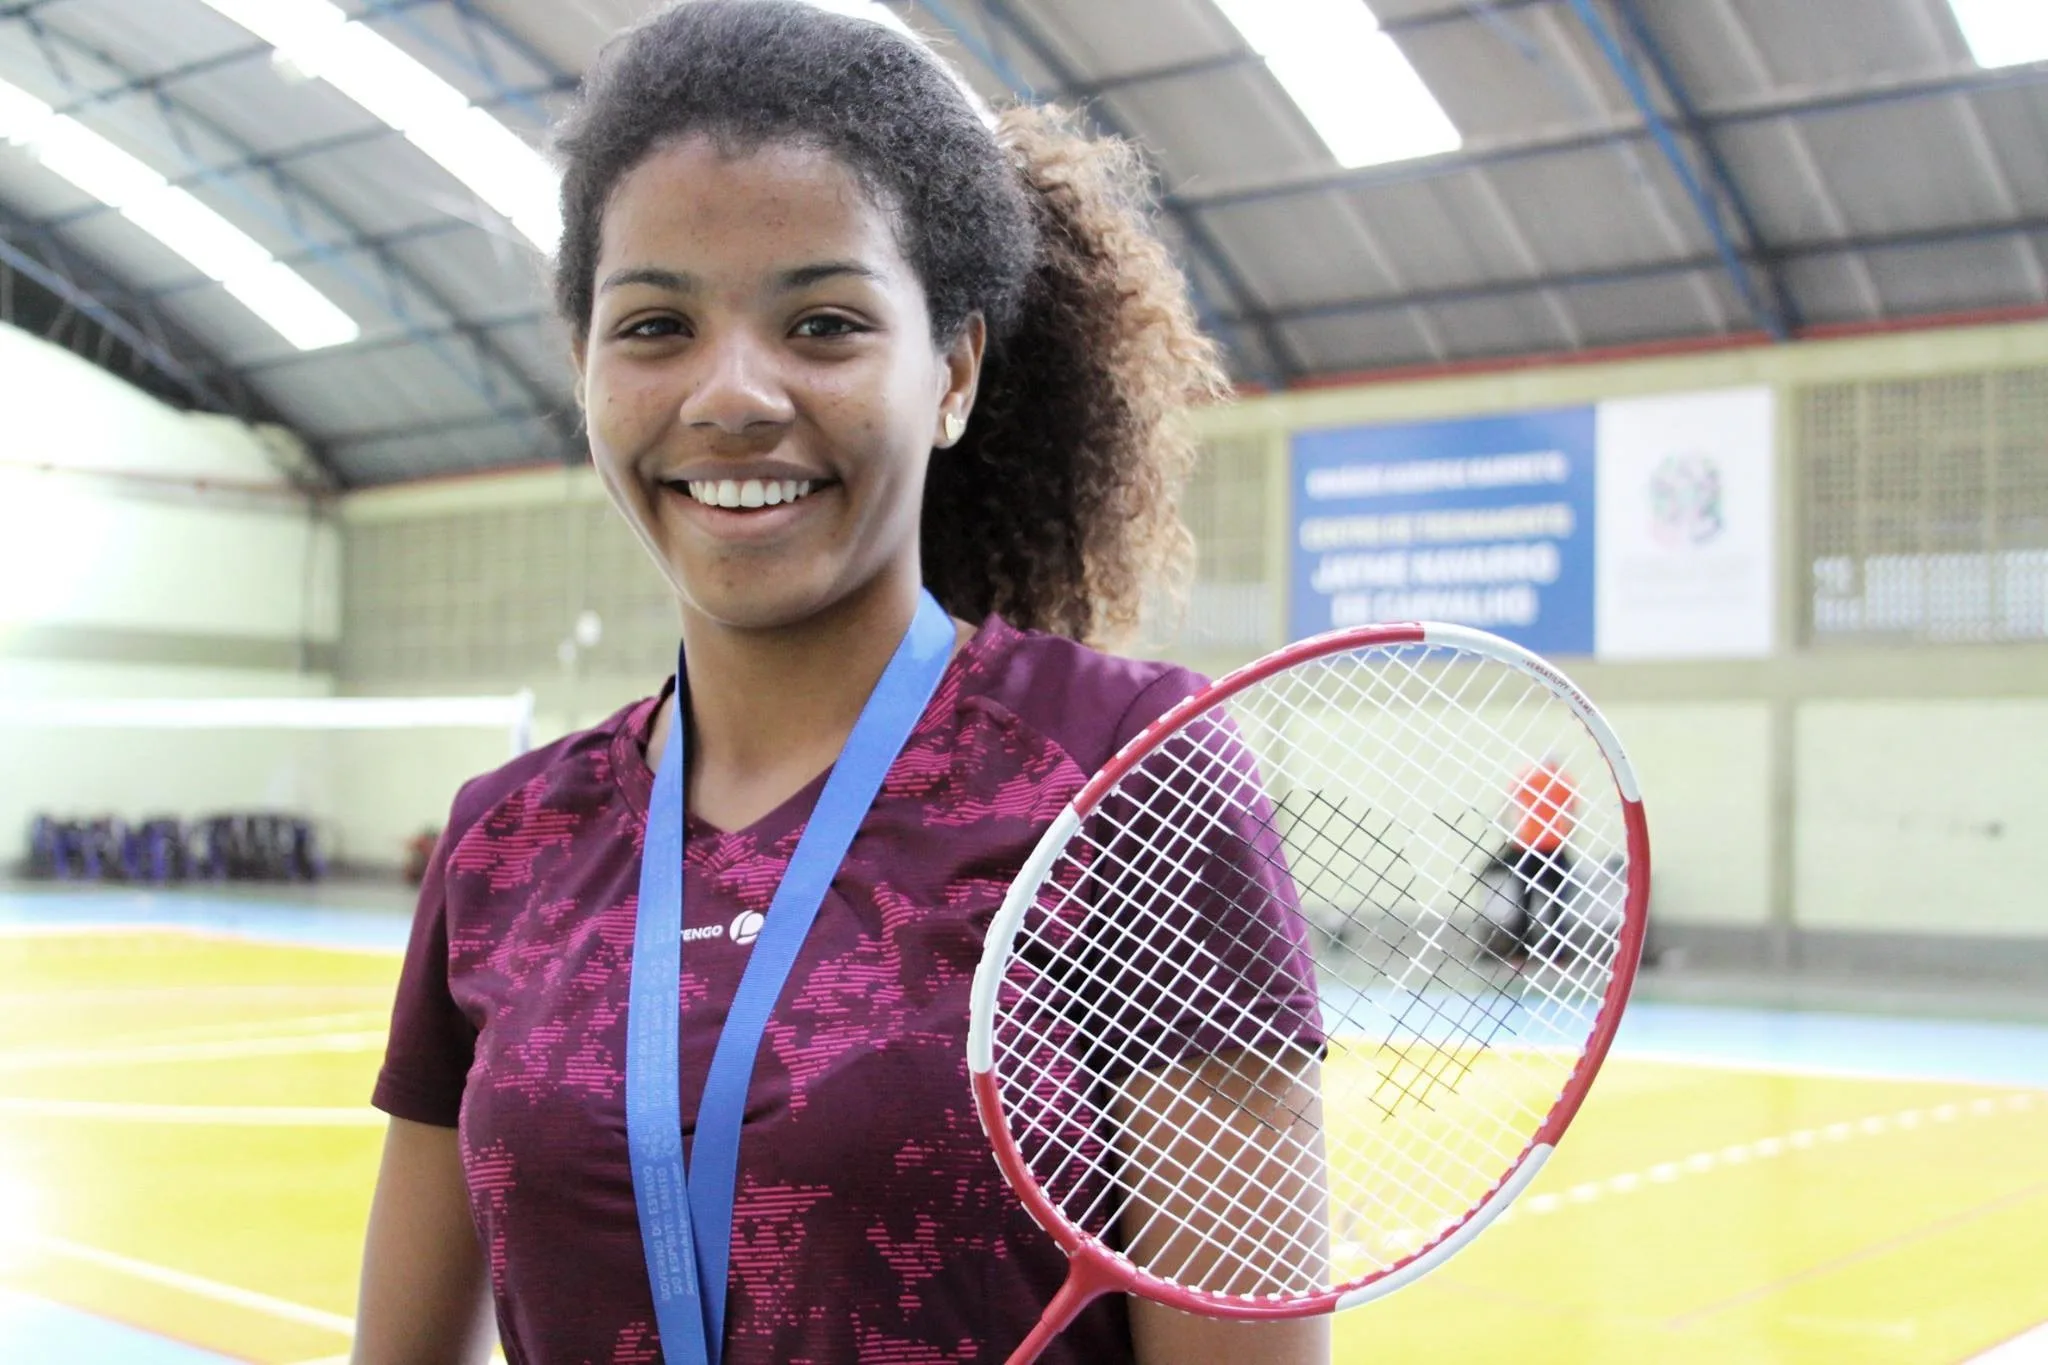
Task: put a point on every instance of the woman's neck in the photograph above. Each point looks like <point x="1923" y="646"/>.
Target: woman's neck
<point x="771" y="709"/>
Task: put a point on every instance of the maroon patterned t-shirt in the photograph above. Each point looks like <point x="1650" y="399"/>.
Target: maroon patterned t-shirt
<point x="870" y="1223"/>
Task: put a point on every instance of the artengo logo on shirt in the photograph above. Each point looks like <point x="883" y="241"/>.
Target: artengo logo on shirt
<point x="744" y="929"/>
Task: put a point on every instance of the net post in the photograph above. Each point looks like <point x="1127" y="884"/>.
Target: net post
<point x="522" y="721"/>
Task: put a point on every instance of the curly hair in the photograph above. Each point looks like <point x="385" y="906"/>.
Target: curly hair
<point x="1059" y="508"/>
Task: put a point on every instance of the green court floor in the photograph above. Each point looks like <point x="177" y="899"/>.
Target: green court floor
<point x="185" y="1148"/>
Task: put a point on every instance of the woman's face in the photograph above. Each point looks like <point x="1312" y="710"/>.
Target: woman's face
<point x="760" y="381"/>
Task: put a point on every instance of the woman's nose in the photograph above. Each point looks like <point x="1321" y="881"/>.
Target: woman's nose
<point x="737" y="387"/>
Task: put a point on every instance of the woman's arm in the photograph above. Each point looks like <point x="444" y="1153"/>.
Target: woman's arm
<point x="1253" y="1133"/>
<point x="425" y="1299"/>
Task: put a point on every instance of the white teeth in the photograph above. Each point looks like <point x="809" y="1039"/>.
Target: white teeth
<point x="748" y="493"/>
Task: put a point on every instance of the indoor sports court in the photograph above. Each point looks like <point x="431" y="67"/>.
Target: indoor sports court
<point x="1695" y="349"/>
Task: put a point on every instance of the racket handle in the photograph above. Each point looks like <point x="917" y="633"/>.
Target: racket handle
<point x="1090" y="1274"/>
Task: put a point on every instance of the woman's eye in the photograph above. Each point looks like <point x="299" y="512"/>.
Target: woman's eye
<point x="649" y="328"/>
<point x="827" y="325"/>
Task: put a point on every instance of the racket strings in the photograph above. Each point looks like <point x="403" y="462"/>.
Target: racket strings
<point x="1398" y="701"/>
<point x="1400" y="693"/>
<point x="1067" y="981"/>
<point x="1163" y="977"/>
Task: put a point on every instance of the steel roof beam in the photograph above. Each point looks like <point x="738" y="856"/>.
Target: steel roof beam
<point x="383" y="241"/>
<point x="448" y="426"/>
<point x="390" y="342"/>
<point x="1505" y="153"/>
<point x="1720" y="174"/>
<point x="1286" y="364"/>
<point x="475" y="57"/>
<point x="1470" y="11"/>
<point x="1706" y="194"/>
<point x="139" y="84"/>
<point x="267" y="161"/>
<point x="1784" y="252"/>
<point x="482" y="366"/>
<point x="187" y="368"/>
<point x="1240" y="60"/>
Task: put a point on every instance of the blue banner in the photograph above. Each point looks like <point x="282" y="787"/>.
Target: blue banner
<point x="1485" y="521"/>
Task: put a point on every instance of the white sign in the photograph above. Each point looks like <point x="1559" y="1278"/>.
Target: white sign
<point x="1685" y="550"/>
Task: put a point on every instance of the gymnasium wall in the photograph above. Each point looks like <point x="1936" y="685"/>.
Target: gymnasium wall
<point x="147" y="552"/>
<point x="1872" y="789"/>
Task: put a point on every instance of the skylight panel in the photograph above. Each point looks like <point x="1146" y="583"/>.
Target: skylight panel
<point x="273" y="291"/>
<point x="2004" y="32"/>
<point x="490" y="159"/>
<point x="1352" y="82"/>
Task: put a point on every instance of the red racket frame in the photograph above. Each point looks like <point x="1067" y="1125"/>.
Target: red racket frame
<point x="1094" y="1269"/>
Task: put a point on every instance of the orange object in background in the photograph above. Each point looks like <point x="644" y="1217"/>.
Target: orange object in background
<point x="1548" y="801"/>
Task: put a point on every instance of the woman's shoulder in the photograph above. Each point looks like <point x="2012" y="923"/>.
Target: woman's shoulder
<point x="1087" y="701"/>
<point x="583" y="769"/>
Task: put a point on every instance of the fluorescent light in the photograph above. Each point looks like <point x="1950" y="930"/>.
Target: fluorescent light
<point x="21" y="114"/>
<point x="197" y="233"/>
<point x="92" y="163"/>
<point x="493" y="162"/>
<point x="302" y="314"/>
<point x="221" y="251"/>
<point x="2004" y="32"/>
<point x="491" y="157"/>
<point x="1354" y="85"/>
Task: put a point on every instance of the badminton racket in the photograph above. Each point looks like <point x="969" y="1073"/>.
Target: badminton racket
<point x="1244" y="1034"/>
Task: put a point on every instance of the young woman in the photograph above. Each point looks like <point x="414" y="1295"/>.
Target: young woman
<point x="838" y="342"/>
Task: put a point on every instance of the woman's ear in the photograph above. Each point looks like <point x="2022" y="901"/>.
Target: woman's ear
<point x="962" y="380"/>
<point x="579" y="349"/>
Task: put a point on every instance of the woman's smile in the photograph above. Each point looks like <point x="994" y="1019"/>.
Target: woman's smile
<point x="746" y="510"/>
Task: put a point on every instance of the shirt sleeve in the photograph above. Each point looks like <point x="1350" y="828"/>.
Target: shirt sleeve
<point x="428" y="1055"/>
<point x="1196" y="934"/>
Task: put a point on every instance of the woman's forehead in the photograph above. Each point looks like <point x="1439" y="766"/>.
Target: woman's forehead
<point x="762" y="205"/>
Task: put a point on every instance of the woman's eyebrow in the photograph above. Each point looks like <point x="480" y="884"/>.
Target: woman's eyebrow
<point x="804" y="276"/>
<point x="674" y="281"/>
<point x="788" y="282"/>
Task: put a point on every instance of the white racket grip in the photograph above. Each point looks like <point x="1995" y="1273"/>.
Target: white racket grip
<point x="1510" y="1189"/>
<point x="995" y="948"/>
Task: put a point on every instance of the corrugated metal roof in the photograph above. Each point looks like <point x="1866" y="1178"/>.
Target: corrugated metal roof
<point x="1841" y="161"/>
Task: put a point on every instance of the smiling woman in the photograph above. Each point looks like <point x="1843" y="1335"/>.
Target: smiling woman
<point x="889" y="395"/>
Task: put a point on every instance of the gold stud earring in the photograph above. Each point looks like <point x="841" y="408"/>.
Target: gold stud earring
<point x="956" y="427"/>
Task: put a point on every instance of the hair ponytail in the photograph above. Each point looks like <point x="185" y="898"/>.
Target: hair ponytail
<point x="1060" y="510"/>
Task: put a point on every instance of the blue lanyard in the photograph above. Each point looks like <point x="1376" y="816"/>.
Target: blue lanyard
<point x="686" y="1218"/>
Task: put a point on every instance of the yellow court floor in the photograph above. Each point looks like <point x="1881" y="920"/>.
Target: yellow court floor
<point x="185" y="1149"/>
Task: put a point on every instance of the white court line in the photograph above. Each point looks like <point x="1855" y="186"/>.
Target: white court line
<point x="289" y="1026"/>
<point x="2028" y="1348"/>
<point x="1763" y="1149"/>
<point x="224" y="1115"/>
<point x="191" y="931"/>
<point x="1405" y="1240"/>
<point x="43" y="1059"/>
<point x="199" y="1286"/>
<point x="1782" y="1068"/>
<point x="191" y="995"/>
